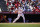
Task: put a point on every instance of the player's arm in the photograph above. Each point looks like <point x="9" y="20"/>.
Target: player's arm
<point x="15" y="11"/>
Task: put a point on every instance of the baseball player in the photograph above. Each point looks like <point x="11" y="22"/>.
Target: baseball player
<point x="20" y="13"/>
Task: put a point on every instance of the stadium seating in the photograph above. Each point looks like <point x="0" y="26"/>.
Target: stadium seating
<point x="3" y="5"/>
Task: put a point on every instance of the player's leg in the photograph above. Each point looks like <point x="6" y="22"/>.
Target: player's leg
<point x="16" y="19"/>
<point x="23" y="18"/>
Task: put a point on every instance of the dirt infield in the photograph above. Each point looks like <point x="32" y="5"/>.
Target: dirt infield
<point x="19" y="23"/>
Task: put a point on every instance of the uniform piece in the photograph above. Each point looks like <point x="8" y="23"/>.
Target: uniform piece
<point x="20" y="13"/>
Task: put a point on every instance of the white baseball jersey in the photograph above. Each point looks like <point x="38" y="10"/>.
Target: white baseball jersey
<point x="20" y="10"/>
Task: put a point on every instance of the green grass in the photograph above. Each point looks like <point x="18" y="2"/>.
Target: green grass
<point x="19" y="25"/>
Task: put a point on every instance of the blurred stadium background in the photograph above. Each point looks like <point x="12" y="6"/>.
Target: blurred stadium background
<point x="31" y="13"/>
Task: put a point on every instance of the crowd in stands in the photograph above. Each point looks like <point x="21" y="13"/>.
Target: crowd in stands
<point x="28" y="5"/>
